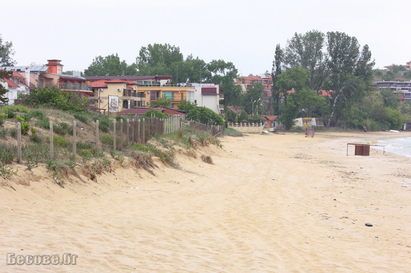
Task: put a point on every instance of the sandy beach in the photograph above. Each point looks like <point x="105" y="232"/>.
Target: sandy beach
<point x="269" y="203"/>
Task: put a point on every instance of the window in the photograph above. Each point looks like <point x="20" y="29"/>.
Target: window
<point x="168" y="95"/>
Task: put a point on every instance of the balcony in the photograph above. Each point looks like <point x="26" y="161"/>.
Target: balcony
<point x="74" y="86"/>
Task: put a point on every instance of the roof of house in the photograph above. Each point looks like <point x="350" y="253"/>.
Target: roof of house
<point x="236" y="109"/>
<point x="129" y="78"/>
<point x="271" y="117"/>
<point x="98" y="84"/>
<point x="11" y="83"/>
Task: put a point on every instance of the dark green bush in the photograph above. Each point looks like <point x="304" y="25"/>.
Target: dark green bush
<point x="63" y="129"/>
<point x="13" y="132"/>
<point x="35" y="138"/>
<point x="7" y="153"/>
<point x="4" y="132"/>
<point x="43" y="123"/>
<point x="83" y="117"/>
<point x="107" y="139"/>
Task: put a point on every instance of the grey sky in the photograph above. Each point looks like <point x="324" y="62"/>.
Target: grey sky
<point x="242" y="32"/>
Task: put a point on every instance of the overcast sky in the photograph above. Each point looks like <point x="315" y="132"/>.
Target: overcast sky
<point x="239" y="31"/>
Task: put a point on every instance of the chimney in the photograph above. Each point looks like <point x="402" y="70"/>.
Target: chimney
<point x="28" y="77"/>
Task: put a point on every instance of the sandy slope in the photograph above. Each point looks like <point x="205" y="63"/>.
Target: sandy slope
<point x="270" y="203"/>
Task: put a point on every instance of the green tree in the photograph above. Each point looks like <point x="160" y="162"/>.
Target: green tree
<point x="230" y="115"/>
<point x="275" y="72"/>
<point x="160" y="59"/>
<point x="161" y="102"/>
<point x="390" y="99"/>
<point x="6" y="53"/>
<point x="350" y="73"/>
<point x="156" y="114"/>
<point x="307" y="51"/>
<point x="224" y="74"/>
<point x="200" y="114"/>
<point x="4" y="75"/>
<point x="243" y="116"/>
<point x="252" y="98"/>
<point x="294" y="87"/>
<point x="110" y="65"/>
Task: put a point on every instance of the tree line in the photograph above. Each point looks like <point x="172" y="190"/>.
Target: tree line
<point x="165" y="59"/>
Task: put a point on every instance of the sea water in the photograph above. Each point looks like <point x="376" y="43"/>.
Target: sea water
<point x="397" y="146"/>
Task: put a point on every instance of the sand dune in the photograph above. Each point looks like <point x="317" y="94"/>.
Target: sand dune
<point x="269" y="203"/>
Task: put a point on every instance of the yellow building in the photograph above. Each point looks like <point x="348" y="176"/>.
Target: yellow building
<point x="114" y="95"/>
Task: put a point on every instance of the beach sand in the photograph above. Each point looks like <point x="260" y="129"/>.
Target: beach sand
<point x="269" y="203"/>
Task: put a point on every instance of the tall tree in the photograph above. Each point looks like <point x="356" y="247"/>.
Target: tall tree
<point x="110" y="65"/>
<point x="6" y="53"/>
<point x="224" y="74"/>
<point x="275" y="72"/>
<point x="350" y="73"/>
<point x="160" y="59"/>
<point x="307" y="51"/>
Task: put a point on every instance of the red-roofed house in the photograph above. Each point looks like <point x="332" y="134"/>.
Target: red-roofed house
<point x="15" y="86"/>
<point x="247" y="81"/>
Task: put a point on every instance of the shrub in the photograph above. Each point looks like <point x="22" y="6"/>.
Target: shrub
<point x="38" y="152"/>
<point x="156" y="114"/>
<point x="104" y="123"/>
<point x="33" y="131"/>
<point x="59" y="141"/>
<point x="83" y="117"/>
<point x="107" y="139"/>
<point x="55" y="98"/>
<point x="4" y="132"/>
<point x="1" y="121"/>
<point x="63" y="129"/>
<point x="25" y="127"/>
<point x="35" y="138"/>
<point x="43" y="123"/>
<point x="13" y="132"/>
<point x="3" y="115"/>
<point x="15" y="108"/>
<point x="7" y="153"/>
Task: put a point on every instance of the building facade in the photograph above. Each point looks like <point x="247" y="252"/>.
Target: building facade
<point x="136" y="91"/>
<point x="397" y="87"/>
<point x="208" y="95"/>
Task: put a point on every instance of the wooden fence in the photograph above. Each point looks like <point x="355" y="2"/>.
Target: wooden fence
<point x="130" y="132"/>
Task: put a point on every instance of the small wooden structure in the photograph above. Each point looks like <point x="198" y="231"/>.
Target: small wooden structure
<point x="362" y="149"/>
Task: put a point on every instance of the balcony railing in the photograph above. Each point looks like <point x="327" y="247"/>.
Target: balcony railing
<point x="74" y="86"/>
<point x="132" y="94"/>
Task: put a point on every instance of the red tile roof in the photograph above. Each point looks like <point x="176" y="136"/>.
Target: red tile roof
<point x="11" y="83"/>
<point x="116" y="81"/>
<point x="98" y="84"/>
<point x="236" y="109"/>
<point x="271" y="117"/>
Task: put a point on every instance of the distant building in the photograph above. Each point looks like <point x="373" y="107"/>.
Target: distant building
<point x="136" y="91"/>
<point x="16" y="85"/>
<point x="207" y="95"/>
<point x="48" y="75"/>
<point x="247" y="82"/>
<point x="397" y="87"/>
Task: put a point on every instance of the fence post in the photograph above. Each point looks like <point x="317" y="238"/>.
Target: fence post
<point x="74" y="139"/>
<point x="138" y="131"/>
<point x="144" y="131"/>
<point x="132" y="131"/>
<point x="128" y="132"/>
<point x="114" y="140"/>
<point x="51" y="141"/>
<point x="97" y="134"/>
<point x="19" y="142"/>
<point x="121" y="134"/>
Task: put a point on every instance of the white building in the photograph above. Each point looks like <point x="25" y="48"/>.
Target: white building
<point x="207" y="95"/>
<point x="16" y="85"/>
